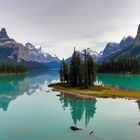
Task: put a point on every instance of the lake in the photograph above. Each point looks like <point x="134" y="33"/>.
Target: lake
<point x="29" y="110"/>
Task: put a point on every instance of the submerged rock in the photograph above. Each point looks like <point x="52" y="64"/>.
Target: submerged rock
<point x="91" y="132"/>
<point x="48" y="91"/>
<point x="58" y="95"/>
<point x="74" y="128"/>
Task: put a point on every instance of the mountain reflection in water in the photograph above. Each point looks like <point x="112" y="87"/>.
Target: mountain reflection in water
<point x="12" y="86"/>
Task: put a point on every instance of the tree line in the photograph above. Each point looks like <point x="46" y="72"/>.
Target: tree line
<point x="121" y="65"/>
<point x="80" y="73"/>
<point x="12" y="68"/>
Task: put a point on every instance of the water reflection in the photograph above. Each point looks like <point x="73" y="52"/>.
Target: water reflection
<point x="80" y="109"/>
<point x="10" y="89"/>
<point x="138" y="102"/>
<point x="12" y="86"/>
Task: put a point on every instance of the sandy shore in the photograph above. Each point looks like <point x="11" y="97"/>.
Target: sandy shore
<point x="96" y="92"/>
<point x="75" y="95"/>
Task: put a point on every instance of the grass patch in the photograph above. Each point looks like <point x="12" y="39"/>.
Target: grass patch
<point x="96" y="91"/>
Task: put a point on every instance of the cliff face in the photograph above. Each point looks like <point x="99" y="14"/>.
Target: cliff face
<point x="23" y="53"/>
<point x="137" y="38"/>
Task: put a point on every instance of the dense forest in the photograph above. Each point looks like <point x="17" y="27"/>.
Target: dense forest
<point x="12" y="68"/>
<point x="121" y="66"/>
<point x="81" y="71"/>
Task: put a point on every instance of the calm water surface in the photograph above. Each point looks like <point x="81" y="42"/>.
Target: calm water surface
<point x="127" y="82"/>
<point x="28" y="111"/>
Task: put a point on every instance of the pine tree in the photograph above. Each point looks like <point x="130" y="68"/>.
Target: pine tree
<point x="91" y="70"/>
<point x="73" y="70"/>
<point x="65" y="71"/>
<point x="61" y="74"/>
<point x="64" y="75"/>
<point x="85" y="70"/>
<point x="80" y="73"/>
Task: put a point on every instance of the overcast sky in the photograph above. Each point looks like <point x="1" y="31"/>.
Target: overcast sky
<point x="59" y="25"/>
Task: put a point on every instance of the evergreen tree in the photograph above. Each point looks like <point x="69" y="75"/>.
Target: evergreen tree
<point x="61" y="74"/>
<point x="121" y="65"/>
<point x="74" y="70"/>
<point x="85" y="70"/>
<point x="80" y="73"/>
<point x="91" y="70"/>
<point x="64" y="75"/>
<point x="12" y="68"/>
<point x="65" y="71"/>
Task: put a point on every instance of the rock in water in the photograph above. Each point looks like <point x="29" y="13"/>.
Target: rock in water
<point x="91" y="133"/>
<point x="74" y="128"/>
<point x="58" y="95"/>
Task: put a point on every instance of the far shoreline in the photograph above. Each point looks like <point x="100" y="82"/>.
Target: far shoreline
<point x="12" y="74"/>
<point x="96" y="91"/>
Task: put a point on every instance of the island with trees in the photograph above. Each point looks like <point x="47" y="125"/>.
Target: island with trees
<point x="78" y="78"/>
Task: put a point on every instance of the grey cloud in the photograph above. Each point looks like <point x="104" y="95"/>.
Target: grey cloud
<point x="65" y="23"/>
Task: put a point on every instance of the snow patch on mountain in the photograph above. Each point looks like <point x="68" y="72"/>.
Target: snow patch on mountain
<point x="36" y="54"/>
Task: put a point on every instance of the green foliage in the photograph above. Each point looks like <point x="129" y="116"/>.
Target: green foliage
<point x="122" y="65"/>
<point x="12" y="68"/>
<point x="75" y="70"/>
<point x="91" y="70"/>
<point x="64" y="75"/>
<point x="80" y="73"/>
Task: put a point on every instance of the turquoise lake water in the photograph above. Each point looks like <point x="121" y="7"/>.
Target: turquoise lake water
<point x="29" y="110"/>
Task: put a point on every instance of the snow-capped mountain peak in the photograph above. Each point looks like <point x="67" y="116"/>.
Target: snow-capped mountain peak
<point x="29" y="46"/>
<point x="37" y="54"/>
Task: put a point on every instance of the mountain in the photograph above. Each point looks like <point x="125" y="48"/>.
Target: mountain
<point x="39" y="56"/>
<point x="4" y="36"/>
<point x="137" y="38"/>
<point x="110" y="49"/>
<point x="10" y="49"/>
<point x="133" y="50"/>
<point x="92" y="53"/>
<point x="95" y="55"/>
<point x="113" y="49"/>
<point x="14" y="52"/>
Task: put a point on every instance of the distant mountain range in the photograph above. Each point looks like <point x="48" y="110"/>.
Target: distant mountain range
<point x="133" y="50"/>
<point x="14" y="52"/>
<point x="111" y="49"/>
<point x="92" y="53"/>
<point x="128" y="47"/>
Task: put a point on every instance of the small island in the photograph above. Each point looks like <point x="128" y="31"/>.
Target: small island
<point x="77" y="79"/>
<point x="95" y="91"/>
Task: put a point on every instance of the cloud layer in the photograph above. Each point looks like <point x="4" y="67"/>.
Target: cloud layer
<point x="59" y="25"/>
